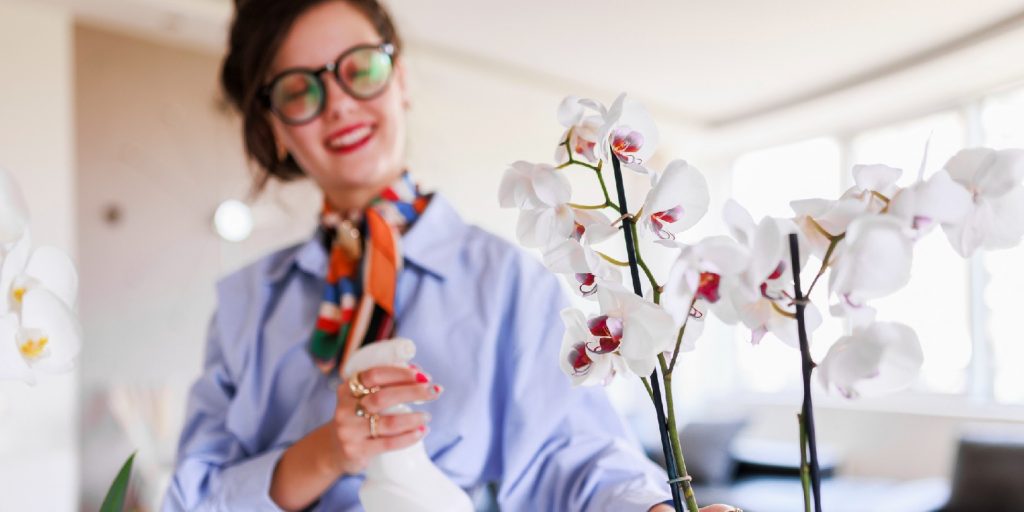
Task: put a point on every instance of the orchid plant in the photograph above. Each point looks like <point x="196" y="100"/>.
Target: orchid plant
<point x="863" y="241"/>
<point x="39" y="330"/>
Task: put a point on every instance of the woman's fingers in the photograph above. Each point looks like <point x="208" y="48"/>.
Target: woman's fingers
<point x="396" y="442"/>
<point x="395" y="424"/>
<point x="382" y="376"/>
<point x="356" y="429"/>
<point x="403" y="394"/>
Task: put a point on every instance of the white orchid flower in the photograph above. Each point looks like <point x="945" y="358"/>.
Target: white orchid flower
<point x="821" y="220"/>
<point x="13" y="212"/>
<point x="879" y="358"/>
<point x="628" y="132"/>
<point x="927" y="204"/>
<point x="696" y="279"/>
<point x="874" y="184"/>
<point x="700" y="268"/>
<point x="542" y="194"/>
<point x="596" y="133"/>
<point x="677" y="201"/>
<point x="876" y="261"/>
<point x="46" y="267"/>
<point x="995" y="219"/>
<point x="761" y="296"/>
<point x="581" y="265"/>
<point x="582" y="127"/>
<point x="592" y="226"/>
<point x="646" y="328"/>
<point x="47" y="339"/>
<point x="577" y="360"/>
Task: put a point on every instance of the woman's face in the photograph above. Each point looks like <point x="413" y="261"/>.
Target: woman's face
<point x="354" y="147"/>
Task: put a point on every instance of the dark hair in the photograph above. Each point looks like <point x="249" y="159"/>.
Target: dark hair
<point x="257" y="31"/>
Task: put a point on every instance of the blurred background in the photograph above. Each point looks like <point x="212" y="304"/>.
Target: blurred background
<point x="112" y="122"/>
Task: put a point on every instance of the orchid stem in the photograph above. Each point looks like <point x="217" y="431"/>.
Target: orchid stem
<point x="611" y="260"/>
<point x="659" y="407"/>
<point x="677" y="448"/>
<point x="647" y="385"/>
<point x="805" y="470"/>
<point x="646" y="269"/>
<point x="679" y="337"/>
<point x="833" y="241"/>
<point x="604" y="190"/>
<point x="807" y="413"/>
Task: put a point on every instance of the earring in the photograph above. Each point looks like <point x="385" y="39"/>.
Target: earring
<point x="282" y="152"/>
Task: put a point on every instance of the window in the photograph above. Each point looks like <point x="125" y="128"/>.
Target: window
<point x="938" y="287"/>
<point x="1002" y="128"/>
<point x="765" y="182"/>
<point x="970" y="345"/>
<point x="903" y="145"/>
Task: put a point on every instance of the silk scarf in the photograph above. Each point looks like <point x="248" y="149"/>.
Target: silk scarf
<point x="365" y="259"/>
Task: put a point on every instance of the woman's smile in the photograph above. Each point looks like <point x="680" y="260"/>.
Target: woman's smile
<point x="351" y="138"/>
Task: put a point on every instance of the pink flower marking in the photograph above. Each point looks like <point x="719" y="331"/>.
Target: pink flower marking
<point x="626" y="142"/>
<point x="659" y="219"/>
<point x="587" y="286"/>
<point x="708" y="287"/>
<point x="608" y="331"/>
<point x="579" y="360"/>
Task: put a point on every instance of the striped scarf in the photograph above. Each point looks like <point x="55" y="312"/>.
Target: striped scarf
<point x="362" y="272"/>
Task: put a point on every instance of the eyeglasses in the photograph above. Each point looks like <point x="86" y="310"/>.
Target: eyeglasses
<point x="298" y="95"/>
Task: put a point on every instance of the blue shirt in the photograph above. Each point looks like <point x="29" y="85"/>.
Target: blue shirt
<point x="485" y="319"/>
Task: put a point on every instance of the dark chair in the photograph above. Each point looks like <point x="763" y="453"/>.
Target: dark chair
<point x="989" y="475"/>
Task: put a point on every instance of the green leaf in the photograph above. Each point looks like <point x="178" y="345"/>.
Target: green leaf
<point x="114" y="502"/>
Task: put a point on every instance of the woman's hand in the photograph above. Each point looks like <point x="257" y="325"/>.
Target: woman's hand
<point x="709" y="508"/>
<point x="344" y="444"/>
<point x="353" y="442"/>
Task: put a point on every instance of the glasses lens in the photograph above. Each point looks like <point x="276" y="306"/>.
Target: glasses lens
<point x="366" y="72"/>
<point x="297" y="97"/>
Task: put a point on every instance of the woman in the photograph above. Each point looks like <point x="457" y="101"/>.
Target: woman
<point x="270" y="425"/>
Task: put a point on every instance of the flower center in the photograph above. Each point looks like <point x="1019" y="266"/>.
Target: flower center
<point x="608" y="331"/>
<point x="659" y="219"/>
<point x="578" y="359"/>
<point x="18" y="293"/>
<point x="708" y="287"/>
<point x="32" y="343"/>
<point x="626" y="142"/>
<point x="777" y="273"/>
<point x="577" y="233"/>
<point x="587" y="286"/>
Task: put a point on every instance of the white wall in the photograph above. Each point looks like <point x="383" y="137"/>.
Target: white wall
<point x="157" y="146"/>
<point x="38" y="452"/>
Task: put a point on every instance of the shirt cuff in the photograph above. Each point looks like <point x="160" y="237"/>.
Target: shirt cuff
<point x="246" y="485"/>
<point x="639" y="495"/>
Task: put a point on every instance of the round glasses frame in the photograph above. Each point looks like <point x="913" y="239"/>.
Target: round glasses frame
<point x="334" y="67"/>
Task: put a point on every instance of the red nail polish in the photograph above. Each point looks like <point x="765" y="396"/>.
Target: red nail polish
<point x="438" y="389"/>
<point x="423" y="428"/>
<point x="421" y="378"/>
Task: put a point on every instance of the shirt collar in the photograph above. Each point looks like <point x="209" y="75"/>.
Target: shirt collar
<point x="435" y="239"/>
<point x="431" y="244"/>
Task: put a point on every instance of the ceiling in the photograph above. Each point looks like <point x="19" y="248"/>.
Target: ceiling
<point x="710" y="64"/>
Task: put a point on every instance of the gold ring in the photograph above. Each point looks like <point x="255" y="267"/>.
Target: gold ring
<point x="359" y="389"/>
<point x="360" y="411"/>
<point x="373" y="426"/>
